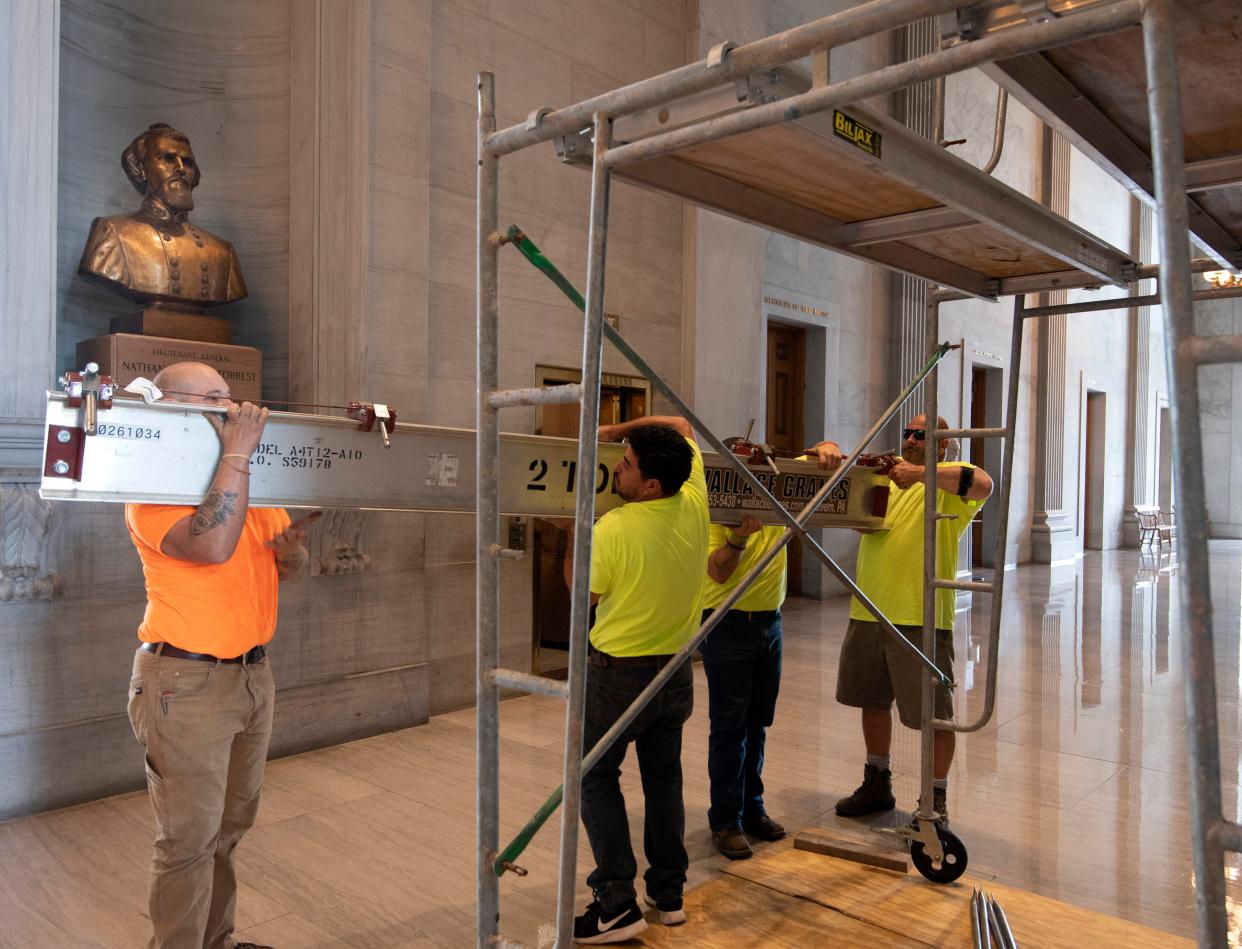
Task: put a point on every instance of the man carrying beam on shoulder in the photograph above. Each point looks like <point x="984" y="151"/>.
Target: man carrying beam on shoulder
<point x="742" y="661"/>
<point x="874" y="669"/>
<point x="647" y="562"/>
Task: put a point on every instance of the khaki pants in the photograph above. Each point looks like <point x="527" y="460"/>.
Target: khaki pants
<point x="205" y="727"/>
<point x="874" y="669"/>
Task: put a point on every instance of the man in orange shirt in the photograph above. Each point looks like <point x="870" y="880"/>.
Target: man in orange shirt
<point x="200" y="699"/>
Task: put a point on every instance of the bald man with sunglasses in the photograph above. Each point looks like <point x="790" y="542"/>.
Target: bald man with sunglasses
<point x="874" y="669"/>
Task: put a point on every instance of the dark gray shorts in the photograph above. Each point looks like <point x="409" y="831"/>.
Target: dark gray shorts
<point x="875" y="669"/>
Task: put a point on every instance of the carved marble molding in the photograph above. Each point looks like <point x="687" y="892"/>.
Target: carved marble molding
<point x="24" y="521"/>
<point x="335" y="543"/>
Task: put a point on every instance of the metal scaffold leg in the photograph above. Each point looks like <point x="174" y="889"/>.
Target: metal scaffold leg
<point x="1208" y="825"/>
<point x="580" y="602"/>
<point x="936" y="852"/>
<point x="487" y="530"/>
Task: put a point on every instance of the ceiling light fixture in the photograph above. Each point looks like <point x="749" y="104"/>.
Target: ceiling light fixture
<point x="1223" y="278"/>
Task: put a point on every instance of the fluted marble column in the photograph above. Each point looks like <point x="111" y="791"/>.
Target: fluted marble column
<point x="1052" y="528"/>
<point x="330" y="47"/>
<point x="1138" y="394"/>
<point x="29" y="73"/>
<point x="915" y="108"/>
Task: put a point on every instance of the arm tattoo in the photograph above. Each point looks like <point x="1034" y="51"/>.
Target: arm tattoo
<point x="216" y="508"/>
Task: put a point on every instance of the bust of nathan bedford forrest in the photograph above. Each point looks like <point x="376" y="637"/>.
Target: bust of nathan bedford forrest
<point x="155" y="256"/>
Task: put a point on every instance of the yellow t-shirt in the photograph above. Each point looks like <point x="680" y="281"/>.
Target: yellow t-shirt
<point x="768" y="590"/>
<point x="890" y="561"/>
<point x="647" y="564"/>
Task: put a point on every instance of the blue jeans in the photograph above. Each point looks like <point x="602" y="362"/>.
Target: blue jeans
<point x="742" y="660"/>
<point x="656" y="735"/>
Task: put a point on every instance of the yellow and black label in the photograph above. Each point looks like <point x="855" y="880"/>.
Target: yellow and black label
<point x="856" y="133"/>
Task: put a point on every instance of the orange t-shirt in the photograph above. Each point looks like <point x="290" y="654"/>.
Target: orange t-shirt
<point x="220" y="609"/>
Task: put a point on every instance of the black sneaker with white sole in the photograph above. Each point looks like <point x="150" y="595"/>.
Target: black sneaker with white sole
<point x="595" y="927"/>
<point x="672" y="912"/>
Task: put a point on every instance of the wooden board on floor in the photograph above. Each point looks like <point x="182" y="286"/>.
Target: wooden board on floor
<point x="827" y="844"/>
<point x="733" y="913"/>
<point x="893" y="906"/>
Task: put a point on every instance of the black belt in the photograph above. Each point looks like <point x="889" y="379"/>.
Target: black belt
<point x="603" y="660"/>
<point x="256" y="654"/>
<point x="751" y="616"/>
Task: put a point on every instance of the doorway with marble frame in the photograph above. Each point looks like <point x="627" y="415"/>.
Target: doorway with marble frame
<point x="622" y="397"/>
<point x="985" y="388"/>
<point x="1092" y="483"/>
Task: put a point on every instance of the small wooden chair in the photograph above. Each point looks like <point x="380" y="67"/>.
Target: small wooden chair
<point x="1166" y="528"/>
<point x="1149" y="525"/>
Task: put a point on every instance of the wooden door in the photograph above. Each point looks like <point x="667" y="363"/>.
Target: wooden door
<point x="786" y="394"/>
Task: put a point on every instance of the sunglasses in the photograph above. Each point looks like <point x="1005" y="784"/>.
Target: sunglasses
<point x="918" y="433"/>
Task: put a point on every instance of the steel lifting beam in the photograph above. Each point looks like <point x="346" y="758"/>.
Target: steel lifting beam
<point x="166" y="453"/>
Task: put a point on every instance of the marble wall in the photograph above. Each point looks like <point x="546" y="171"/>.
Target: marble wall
<point x="337" y="142"/>
<point x="1103" y="206"/>
<point x="984" y="329"/>
<point x="218" y="72"/>
<point x="1220" y="394"/>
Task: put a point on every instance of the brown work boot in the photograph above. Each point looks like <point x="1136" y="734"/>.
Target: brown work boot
<point x="763" y="828"/>
<point x="874" y="795"/>
<point x="731" y="842"/>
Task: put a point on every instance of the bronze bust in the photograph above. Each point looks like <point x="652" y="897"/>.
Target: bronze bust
<point x="155" y="256"/>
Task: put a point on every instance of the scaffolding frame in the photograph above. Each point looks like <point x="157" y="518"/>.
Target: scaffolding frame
<point x="1185" y="352"/>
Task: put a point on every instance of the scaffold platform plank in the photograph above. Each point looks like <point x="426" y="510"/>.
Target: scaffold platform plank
<point x="860" y="183"/>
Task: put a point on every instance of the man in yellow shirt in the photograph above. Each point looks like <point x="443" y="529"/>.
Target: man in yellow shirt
<point x="874" y="669"/>
<point x="742" y="662"/>
<point x="201" y="692"/>
<point x="647" y="562"/>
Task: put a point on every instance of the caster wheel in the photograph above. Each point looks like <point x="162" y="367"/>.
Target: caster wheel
<point x="944" y="871"/>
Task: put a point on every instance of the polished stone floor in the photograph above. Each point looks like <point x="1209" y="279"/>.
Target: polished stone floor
<point x="1076" y="789"/>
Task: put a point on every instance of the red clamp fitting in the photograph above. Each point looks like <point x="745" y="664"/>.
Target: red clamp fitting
<point x="79" y="385"/>
<point x="754" y="453"/>
<point x="90" y="391"/>
<point x="368" y="413"/>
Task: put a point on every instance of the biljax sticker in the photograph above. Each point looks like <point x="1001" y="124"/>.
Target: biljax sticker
<point x="857" y="134"/>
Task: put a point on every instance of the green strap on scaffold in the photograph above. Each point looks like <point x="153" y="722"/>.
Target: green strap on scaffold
<point x="518" y="239"/>
<point x="535" y="256"/>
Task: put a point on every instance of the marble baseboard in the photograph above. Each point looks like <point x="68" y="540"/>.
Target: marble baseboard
<point x="46" y="768"/>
